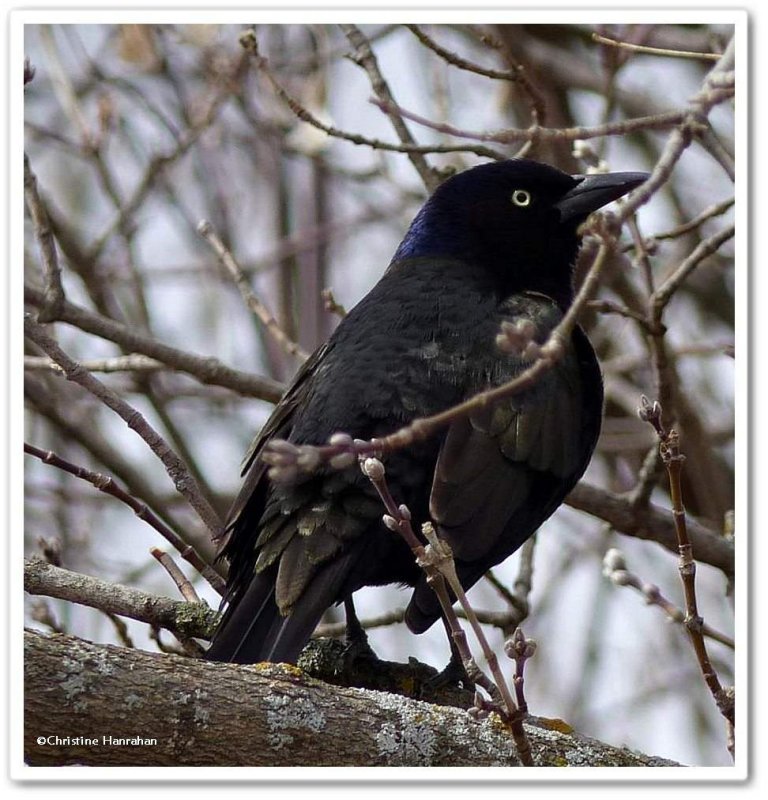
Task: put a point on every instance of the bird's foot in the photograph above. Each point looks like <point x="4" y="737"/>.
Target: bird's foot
<point x="453" y="675"/>
<point x="357" y="648"/>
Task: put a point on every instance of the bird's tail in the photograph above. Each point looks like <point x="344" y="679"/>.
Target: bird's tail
<point x="253" y="629"/>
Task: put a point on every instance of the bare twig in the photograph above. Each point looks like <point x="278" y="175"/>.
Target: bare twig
<point x="651" y="522"/>
<point x="249" y="42"/>
<point x="437" y="562"/>
<point x="106" y="484"/>
<point x="647" y="478"/>
<point x="667" y="382"/>
<point x="615" y="569"/>
<point x="206" y="369"/>
<point x="712" y="211"/>
<point x="364" y="57"/>
<point x="61" y="82"/>
<point x="177" y="576"/>
<point x="692" y="125"/>
<point x="398" y="520"/>
<point x="29" y="71"/>
<point x="517" y="599"/>
<point x="515" y="135"/>
<point x="506" y="621"/>
<point x="520" y="649"/>
<point x="252" y="301"/>
<point x="654" y="51"/>
<point x="669" y="447"/>
<point x="183" y="481"/>
<point x="338" y="629"/>
<point x="41" y="612"/>
<point x="672" y="283"/>
<point x="53" y="295"/>
<point x="330" y="304"/>
<point x="516" y="75"/>
<point x="121" y="629"/>
<point x="133" y="362"/>
<point x="438" y="556"/>
<point x="159" y="163"/>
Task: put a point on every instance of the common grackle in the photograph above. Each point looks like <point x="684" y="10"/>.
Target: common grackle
<point x="494" y="243"/>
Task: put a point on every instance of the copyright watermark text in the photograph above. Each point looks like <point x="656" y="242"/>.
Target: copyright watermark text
<point x="96" y="741"/>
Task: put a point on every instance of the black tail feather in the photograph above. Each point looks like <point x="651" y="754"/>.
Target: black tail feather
<point x="253" y="629"/>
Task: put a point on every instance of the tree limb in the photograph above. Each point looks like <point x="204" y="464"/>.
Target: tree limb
<point x="205" y="368"/>
<point x="184" y="619"/>
<point x="652" y="522"/>
<point x="271" y="714"/>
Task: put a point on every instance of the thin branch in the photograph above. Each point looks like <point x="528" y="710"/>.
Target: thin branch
<point x="520" y="649"/>
<point x="177" y="576"/>
<point x="121" y="629"/>
<point x="183" y="481"/>
<point x="133" y="362"/>
<point x="514" y="135"/>
<point x="159" y="163"/>
<point x="106" y="484"/>
<point x="249" y="42"/>
<point x="615" y="569"/>
<point x="337" y="629"/>
<point x="610" y="307"/>
<point x="206" y="369"/>
<point x="398" y="520"/>
<point x="61" y="83"/>
<point x="506" y="621"/>
<point x="53" y="294"/>
<point x="517" y="599"/>
<point x="647" y="478"/>
<point x="516" y="75"/>
<point x="438" y="555"/>
<point x="712" y="211"/>
<point x="652" y="522"/>
<point x="669" y="448"/>
<point x="694" y="122"/>
<point x="437" y="562"/>
<point x="705" y="248"/>
<point x="40" y="611"/>
<point x="364" y="57"/>
<point x="77" y="428"/>
<point x="330" y="304"/>
<point x="206" y="230"/>
<point x="654" y="51"/>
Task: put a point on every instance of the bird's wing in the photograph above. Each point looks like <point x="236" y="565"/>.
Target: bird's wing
<point x="277" y="426"/>
<point x="503" y="470"/>
<point x="494" y="464"/>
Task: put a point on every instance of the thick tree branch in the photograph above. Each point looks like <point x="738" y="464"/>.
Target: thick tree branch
<point x="189" y="712"/>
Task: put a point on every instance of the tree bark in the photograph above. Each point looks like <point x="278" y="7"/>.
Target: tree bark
<point x="102" y="705"/>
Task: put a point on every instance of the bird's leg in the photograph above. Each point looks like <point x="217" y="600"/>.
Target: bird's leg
<point x="356" y="639"/>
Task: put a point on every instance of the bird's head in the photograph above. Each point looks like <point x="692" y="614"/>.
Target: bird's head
<point x="516" y="221"/>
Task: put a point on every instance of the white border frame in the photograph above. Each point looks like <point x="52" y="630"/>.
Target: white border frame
<point x="343" y="11"/>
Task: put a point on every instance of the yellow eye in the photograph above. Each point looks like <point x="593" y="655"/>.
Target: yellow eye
<point x="521" y="198"/>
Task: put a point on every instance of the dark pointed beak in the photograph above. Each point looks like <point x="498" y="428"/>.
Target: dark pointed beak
<point x="595" y="191"/>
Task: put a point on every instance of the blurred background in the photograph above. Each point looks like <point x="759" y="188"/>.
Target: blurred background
<point x="136" y="133"/>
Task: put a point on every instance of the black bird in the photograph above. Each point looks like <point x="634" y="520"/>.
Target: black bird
<point x="494" y="243"/>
